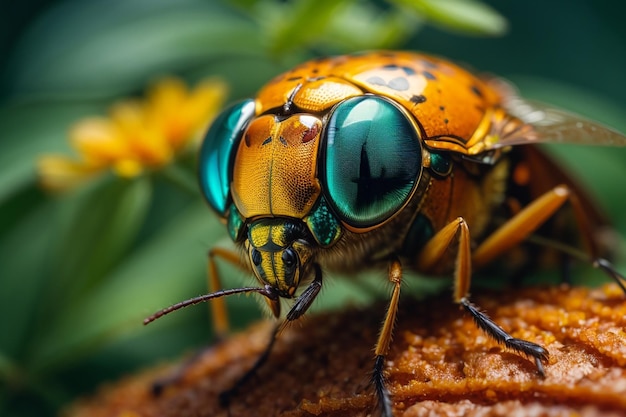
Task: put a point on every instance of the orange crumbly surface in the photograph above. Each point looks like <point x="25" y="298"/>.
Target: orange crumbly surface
<point x="440" y="364"/>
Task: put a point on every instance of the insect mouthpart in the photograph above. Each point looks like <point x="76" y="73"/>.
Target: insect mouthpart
<point x="279" y="253"/>
<point x="278" y="269"/>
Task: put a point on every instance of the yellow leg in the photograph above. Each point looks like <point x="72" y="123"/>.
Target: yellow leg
<point x="524" y="223"/>
<point x="531" y="217"/>
<point x="219" y="316"/>
<point x="384" y="339"/>
<point x="457" y="231"/>
<point x="386" y="332"/>
<point x="218" y="306"/>
<point x="436" y="247"/>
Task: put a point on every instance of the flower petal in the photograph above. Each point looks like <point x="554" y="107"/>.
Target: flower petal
<point x="128" y="168"/>
<point x="138" y="134"/>
<point x="98" y="139"/>
<point x="166" y="95"/>
<point x="181" y="114"/>
<point x="59" y="173"/>
<point x="145" y="141"/>
<point x="202" y="106"/>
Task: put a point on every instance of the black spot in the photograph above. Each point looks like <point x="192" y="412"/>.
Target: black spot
<point x="429" y="75"/>
<point x="283" y="141"/>
<point x="266" y="141"/>
<point x="477" y="91"/>
<point x="442" y="108"/>
<point x="294" y="78"/>
<point x="399" y="84"/>
<point x="390" y="67"/>
<point x="315" y="70"/>
<point x="445" y="121"/>
<point x="418" y="99"/>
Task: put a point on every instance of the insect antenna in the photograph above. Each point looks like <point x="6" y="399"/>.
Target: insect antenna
<point x="266" y="291"/>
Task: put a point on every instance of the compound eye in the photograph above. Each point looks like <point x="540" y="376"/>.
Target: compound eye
<point x="372" y="161"/>
<point x="217" y="153"/>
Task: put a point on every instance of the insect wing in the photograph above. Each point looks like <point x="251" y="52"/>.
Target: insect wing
<point x="546" y="124"/>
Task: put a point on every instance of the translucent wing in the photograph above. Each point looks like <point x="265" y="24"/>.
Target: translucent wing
<point x="541" y="124"/>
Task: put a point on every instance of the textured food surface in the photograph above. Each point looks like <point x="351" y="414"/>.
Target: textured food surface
<point x="440" y="364"/>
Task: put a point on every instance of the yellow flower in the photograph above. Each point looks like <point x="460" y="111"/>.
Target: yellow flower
<point x="138" y="135"/>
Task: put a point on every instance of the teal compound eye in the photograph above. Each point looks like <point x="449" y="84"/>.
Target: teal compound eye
<point x="217" y="153"/>
<point x="372" y="160"/>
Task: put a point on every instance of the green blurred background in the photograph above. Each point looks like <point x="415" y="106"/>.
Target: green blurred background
<point x="79" y="271"/>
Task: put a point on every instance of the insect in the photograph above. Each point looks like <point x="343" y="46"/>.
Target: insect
<point x="386" y="158"/>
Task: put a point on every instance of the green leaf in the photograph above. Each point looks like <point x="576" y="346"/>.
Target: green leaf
<point x="23" y="141"/>
<point x="465" y="16"/>
<point x="96" y="228"/>
<point x="75" y="240"/>
<point x="297" y="24"/>
<point x="168" y="268"/>
<point x="244" y="74"/>
<point x="25" y="273"/>
<point x="112" y="48"/>
<point x="360" y="26"/>
<point x="245" y="4"/>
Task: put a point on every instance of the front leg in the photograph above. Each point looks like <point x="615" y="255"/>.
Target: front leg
<point x="221" y="325"/>
<point x="457" y="231"/>
<point x="301" y="305"/>
<point x="384" y="340"/>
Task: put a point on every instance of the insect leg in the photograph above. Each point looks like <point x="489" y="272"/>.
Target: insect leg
<point x="435" y="250"/>
<point x="524" y="223"/>
<point x="384" y="340"/>
<point x="520" y="226"/>
<point x="303" y="302"/>
<point x="219" y="316"/>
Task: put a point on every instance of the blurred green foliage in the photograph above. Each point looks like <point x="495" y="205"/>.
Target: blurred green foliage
<point x="79" y="271"/>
